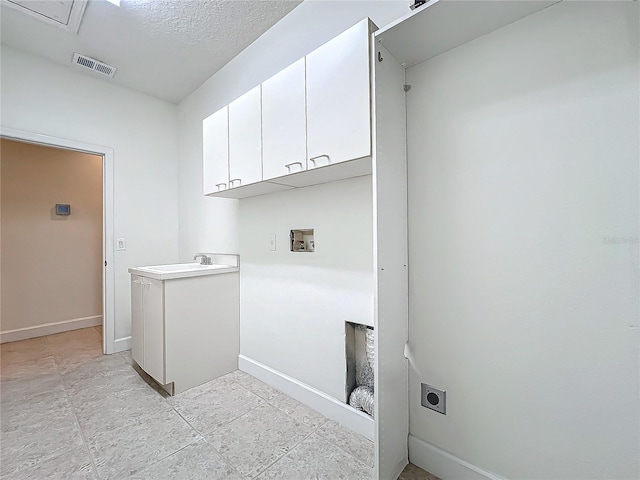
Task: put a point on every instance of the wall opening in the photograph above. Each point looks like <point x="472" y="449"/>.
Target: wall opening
<point x="359" y="350"/>
<point x="302" y="240"/>
<point x="106" y="262"/>
<point x="52" y="253"/>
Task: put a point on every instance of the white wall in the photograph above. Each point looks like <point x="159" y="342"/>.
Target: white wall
<point x="277" y="333"/>
<point x="52" y="264"/>
<point x="524" y="227"/>
<point x="210" y="224"/>
<point x="42" y="97"/>
<point x="294" y="304"/>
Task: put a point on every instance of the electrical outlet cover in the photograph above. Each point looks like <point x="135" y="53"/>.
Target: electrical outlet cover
<point x="271" y="242"/>
<point x="433" y="398"/>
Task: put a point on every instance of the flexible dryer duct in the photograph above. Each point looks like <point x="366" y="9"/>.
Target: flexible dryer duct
<point x="369" y="347"/>
<point x="362" y="399"/>
<point x="362" y="396"/>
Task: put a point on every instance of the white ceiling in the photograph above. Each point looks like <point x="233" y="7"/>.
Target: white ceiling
<point x="165" y="48"/>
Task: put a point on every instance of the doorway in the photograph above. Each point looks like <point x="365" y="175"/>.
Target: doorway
<point x="99" y="274"/>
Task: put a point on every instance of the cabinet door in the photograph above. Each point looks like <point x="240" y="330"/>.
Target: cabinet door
<point x="245" y="139"/>
<point x="284" y="122"/>
<point x="153" y="305"/>
<point x="137" y="320"/>
<point x="338" y="99"/>
<point x="215" y="151"/>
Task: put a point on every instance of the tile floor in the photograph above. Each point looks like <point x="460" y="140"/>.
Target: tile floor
<point x="69" y="412"/>
<point x="412" y="472"/>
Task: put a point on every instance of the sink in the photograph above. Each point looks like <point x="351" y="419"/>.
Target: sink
<point x="181" y="270"/>
<point x="181" y="267"/>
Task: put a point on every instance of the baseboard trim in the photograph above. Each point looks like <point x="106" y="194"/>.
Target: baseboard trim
<point x="49" y="329"/>
<point x="321" y="402"/>
<point x="122" y="344"/>
<point x="444" y="465"/>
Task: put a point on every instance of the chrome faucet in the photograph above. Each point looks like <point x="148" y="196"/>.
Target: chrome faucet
<point x="204" y="260"/>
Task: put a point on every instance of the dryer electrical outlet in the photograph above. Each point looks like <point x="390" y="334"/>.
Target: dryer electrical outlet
<point x="433" y="398"/>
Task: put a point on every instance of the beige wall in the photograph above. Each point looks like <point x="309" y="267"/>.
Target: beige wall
<point x="51" y="266"/>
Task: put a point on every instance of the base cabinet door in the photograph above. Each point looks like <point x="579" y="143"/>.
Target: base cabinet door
<point x="137" y="320"/>
<point x="153" y="304"/>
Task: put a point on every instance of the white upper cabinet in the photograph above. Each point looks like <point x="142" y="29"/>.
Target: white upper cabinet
<point x="315" y="113"/>
<point x="338" y="99"/>
<point x="245" y="139"/>
<point x="215" y="151"/>
<point x="284" y="122"/>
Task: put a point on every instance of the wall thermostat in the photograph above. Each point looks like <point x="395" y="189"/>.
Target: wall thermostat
<point x="63" y="209"/>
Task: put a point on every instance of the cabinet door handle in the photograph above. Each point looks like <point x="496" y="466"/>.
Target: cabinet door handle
<point x="218" y="185"/>
<point x="140" y="282"/>
<point x="239" y="180"/>
<point x="314" y="159"/>
<point x="288" y="167"/>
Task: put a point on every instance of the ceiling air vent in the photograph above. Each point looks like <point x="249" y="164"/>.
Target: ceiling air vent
<point x="93" y="64"/>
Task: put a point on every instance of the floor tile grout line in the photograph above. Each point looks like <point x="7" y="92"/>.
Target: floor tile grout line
<point x="263" y="399"/>
<point x="324" y="437"/>
<point x="316" y="430"/>
<point x="198" y="437"/>
<point x="202" y="435"/>
<point x="84" y="437"/>
<point x="227" y="460"/>
<point x="75" y="416"/>
<point x="54" y="350"/>
<point x="276" y="406"/>
<point x="59" y="376"/>
<point x="73" y="409"/>
<point x="142" y="469"/>
<point x="326" y="419"/>
<point x="313" y="431"/>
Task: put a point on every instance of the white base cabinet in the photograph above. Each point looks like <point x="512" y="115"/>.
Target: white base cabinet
<point x="147" y="347"/>
<point x="186" y="331"/>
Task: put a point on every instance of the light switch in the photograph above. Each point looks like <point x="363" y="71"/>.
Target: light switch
<point x="271" y="242"/>
<point x="121" y="244"/>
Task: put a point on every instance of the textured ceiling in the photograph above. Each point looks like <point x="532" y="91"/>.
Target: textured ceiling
<point x="165" y="48"/>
